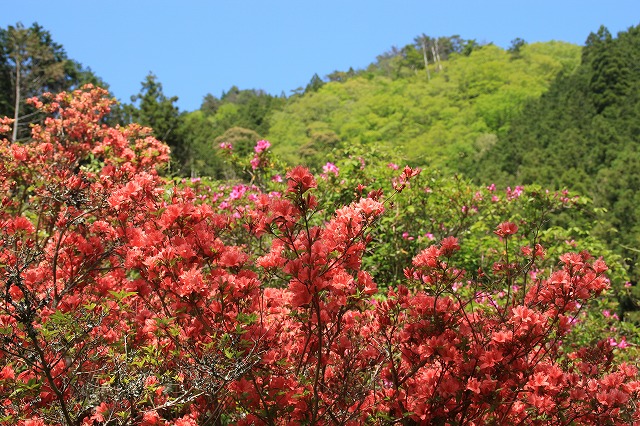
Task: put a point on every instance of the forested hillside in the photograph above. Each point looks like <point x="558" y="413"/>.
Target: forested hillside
<point x="432" y="102"/>
<point x="584" y="134"/>
<point x="453" y="113"/>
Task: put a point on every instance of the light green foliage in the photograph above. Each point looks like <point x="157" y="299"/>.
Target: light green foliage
<point x="434" y="122"/>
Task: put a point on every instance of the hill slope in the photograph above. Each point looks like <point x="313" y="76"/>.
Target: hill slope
<point x="454" y="113"/>
<point x="584" y="134"/>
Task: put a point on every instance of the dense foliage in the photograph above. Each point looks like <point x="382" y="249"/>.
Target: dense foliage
<point x="130" y="299"/>
<point x="455" y="115"/>
<point x="240" y="116"/>
<point x="201" y="280"/>
<point x="583" y="134"/>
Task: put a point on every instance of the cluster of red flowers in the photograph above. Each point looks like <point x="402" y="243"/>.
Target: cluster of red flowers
<point x="127" y="300"/>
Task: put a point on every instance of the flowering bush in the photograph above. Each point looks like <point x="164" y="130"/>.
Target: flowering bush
<point x="128" y="299"/>
<point x="432" y="207"/>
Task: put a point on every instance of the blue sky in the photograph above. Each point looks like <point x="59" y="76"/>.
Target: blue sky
<point x="200" y="47"/>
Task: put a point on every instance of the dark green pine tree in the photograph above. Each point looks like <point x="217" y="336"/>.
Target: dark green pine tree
<point x="152" y="108"/>
<point x="314" y="84"/>
<point x="610" y="78"/>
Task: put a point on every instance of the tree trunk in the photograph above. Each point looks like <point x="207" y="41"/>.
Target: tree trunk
<point x="16" y="114"/>
<point x="438" y="55"/>
<point x="426" y="62"/>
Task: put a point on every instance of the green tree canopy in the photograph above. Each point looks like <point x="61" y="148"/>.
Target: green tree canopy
<point x="442" y="121"/>
<point x="152" y="108"/>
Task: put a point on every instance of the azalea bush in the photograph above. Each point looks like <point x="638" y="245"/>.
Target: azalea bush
<point x="131" y="299"/>
<point x="432" y="206"/>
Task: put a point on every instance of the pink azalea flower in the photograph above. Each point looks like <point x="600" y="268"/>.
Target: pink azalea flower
<point x="330" y="168"/>
<point x="261" y="146"/>
<point x="255" y="162"/>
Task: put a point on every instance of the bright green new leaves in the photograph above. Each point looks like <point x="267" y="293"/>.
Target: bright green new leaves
<point x="436" y="122"/>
